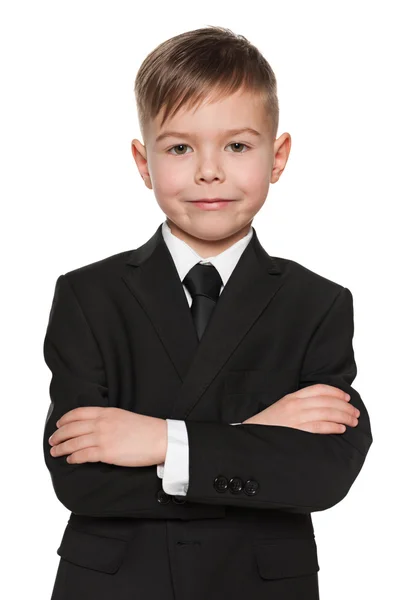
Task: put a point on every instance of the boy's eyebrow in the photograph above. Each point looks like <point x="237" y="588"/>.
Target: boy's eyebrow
<point x="226" y="133"/>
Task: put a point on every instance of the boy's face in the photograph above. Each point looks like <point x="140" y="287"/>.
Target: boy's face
<point x="202" y="161"/>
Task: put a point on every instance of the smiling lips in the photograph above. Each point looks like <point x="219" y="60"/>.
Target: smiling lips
<point x="213" y="200"/>
<point x="211" y="203"/>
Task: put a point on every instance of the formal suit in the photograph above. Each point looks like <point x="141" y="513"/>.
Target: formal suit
<point x="121" y="334"/>
<point x="175" y="470"/>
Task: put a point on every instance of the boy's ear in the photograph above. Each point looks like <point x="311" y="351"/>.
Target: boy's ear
<point x="282" y="147"/>
<point x="140" y="155"/>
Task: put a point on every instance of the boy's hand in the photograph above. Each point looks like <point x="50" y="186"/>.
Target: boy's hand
<point x="110" y="435"/>
<point x="318" y="408"/>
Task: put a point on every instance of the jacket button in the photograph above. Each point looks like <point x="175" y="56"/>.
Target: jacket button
<point x="162" y="497"/>
<point x="251" y="487"/>
<point x="220" y="483"/>
<point x="235" y="485"/>
<point x="179" y="499"/>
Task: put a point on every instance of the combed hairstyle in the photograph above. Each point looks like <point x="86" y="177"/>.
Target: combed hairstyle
<point x="212" y="62"/>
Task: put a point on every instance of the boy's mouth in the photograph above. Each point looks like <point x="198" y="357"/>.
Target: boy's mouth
<point x="213" y="200"/>
<point x="212" y="204"/>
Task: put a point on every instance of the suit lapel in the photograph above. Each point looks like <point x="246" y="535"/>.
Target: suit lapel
<point x="154" y="281"/>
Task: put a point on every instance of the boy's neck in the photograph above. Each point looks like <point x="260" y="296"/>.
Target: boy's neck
<point x="206" y="248"/>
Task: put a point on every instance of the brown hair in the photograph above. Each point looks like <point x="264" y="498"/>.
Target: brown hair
<point x="187" y="68"/>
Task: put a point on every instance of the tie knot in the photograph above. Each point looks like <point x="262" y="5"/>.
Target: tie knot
<point x="203" y="280"/>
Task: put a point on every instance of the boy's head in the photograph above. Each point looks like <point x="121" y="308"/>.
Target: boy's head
<point x="201" y="88"/>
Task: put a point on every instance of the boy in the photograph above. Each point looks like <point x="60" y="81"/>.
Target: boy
<point x="200" y="387"/>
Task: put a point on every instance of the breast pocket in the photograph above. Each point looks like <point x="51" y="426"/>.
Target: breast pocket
<point x="249" y="391"/>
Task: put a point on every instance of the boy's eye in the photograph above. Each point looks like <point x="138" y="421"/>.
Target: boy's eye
<point x="180" y="146"/>
<point x="238" y="144"/>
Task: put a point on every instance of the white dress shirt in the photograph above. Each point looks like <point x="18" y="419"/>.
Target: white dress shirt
<point x="174" y="471"/>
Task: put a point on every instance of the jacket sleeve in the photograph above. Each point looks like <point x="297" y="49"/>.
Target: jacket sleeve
<point x="79" y="379"/>
<point x="174" y="471"/>
<point x="277" y="467"/>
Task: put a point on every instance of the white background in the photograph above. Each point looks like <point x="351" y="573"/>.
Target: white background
<point x="71" y="194"/>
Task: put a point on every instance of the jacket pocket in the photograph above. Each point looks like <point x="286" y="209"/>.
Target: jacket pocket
<point x="242" y="381"/>
<point x="280" y="558"/>
<point x="92" y="551"/>
<point x="248" y="392"/>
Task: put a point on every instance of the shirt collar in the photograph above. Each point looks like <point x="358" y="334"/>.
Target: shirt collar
<point x="185" y="257"/>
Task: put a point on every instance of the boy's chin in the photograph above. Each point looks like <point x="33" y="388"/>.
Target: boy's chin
<point x="215" y="230"/>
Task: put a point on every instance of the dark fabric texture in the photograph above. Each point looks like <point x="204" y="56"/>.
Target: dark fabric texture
<point x="121" y="334"/>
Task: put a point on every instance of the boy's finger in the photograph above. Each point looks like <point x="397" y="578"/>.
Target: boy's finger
<point x="330" y="402"/>
<point x="330" y="414"/>
<point x="322" y="389"/>
<point x="323" y="427"/>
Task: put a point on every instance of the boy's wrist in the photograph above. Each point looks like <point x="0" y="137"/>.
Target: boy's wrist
<point x="161" y="436"/>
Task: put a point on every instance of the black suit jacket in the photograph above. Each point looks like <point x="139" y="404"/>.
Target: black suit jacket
<point x="120" y="333"/>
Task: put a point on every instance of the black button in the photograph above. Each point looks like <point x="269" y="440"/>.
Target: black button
<point x="220" y="483"/>
<point x="235" y="485"/>
<point x="251" y="487"/>
<point x="162" y="497"/>
<point x="179" y="499"/>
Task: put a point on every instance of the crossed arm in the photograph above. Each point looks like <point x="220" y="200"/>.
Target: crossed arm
<point x="297" y="470"/>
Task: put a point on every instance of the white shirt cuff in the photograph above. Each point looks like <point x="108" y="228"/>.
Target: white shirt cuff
<point x="175" y="470"/>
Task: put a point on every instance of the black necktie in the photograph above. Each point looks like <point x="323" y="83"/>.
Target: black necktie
<point x="204" y="284"/>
